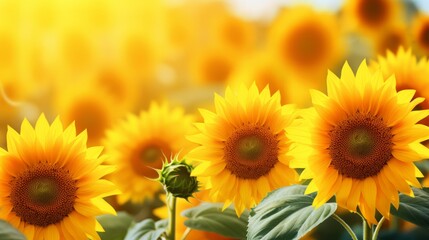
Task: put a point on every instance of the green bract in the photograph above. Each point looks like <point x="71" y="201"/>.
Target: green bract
<point x="176" y="178"/>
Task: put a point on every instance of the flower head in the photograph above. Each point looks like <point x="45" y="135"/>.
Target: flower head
<point x="176" y="178"/>
<point x="410" y="73"/>
<point x="51" y="182"/>
<point x="242" y="147"/>
<point x="371" y="16"/>
<point x="138" y="144"/>
<point x="359" y="142"/>
<point x="306" y="41"/>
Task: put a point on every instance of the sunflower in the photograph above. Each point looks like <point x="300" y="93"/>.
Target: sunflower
<point x="360" y="141"/>
<point x="137" y="146"/>
<point x="306" y="41"/>
<point x="420" y="33"/>
<point x="264" y="70"/>
<point x="51" y="186"/>
<point x="242" y="147"/>
<point x="391" y="39"/>
<point x="93" y="110"/>
<point x="371" y="16"/>
<point x="233" y="33"/>
<point x="213" y="65"/>
<point x="409" y="72"/>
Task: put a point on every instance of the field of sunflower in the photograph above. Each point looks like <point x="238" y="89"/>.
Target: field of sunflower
<point x="214" y="119"/>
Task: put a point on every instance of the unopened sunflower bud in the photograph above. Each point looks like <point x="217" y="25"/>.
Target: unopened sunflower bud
<point x="176" y="178"/>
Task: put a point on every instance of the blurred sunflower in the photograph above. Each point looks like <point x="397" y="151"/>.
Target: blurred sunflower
<point x="213" y="66"/>
<point x="51" y="186"/>
<point x="94" y="111"/>
<point x="390" y="39"/>
<point x="265" y="71"/>
<point x="420" y="33"/>
<point x="242" y="147"/>
<point x="139" y="53"/>
<point x="409" y="74"/>
<point x="371" y="16"/>
<point x="360" y="141"/>
<point x="117" y="84"/>
<point x="137" y="145"/>
<point x="306" y="41"/>
<point x="233" y="33"/>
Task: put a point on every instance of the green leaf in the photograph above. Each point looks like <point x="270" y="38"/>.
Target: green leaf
<point x="115" y="227"/>
<point x="286" y="213"/>
<point x="414" y="209"/>
<point x="147" y="229"/>
<point x="10" y="233"/>
<point x="209" y="217"/>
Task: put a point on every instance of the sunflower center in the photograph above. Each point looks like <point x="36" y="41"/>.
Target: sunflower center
<point x="149" y="157"/>
<point x="43" y="194"/>
<point x="361" y="142"/>
<point x="373" y="12"/>
<point x="360" y="146"/>
<point x="216" y="69"/>
<point x="251" y="152"/>
<point x="250" y="148"/>
<point x="307" y="45"/>
<point x="43" y="191"/>
<point x="151" y="154"/>
<point x="424" y="36"/>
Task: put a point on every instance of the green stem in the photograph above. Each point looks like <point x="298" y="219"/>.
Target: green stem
<point x="346" y="226"/>
<point x="377" y="229"/>
<point x="367" y="233"/>
<point x="185" y="234"/>
<point x="171" y="228"/>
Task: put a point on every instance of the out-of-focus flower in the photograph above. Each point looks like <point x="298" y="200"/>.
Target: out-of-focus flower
<point x="213" y="66"/>
<point x="94" y="111"/>
<point x="119" y="85"/>
<point x="242" y="147"/>
<point x="138" y="52"/>
<point x="370" y="16"/>
<point x="138" y="144"/>
<point x="264" y="70"/>
<point x="305" y="41"/>
<point x="364" y="141"/>
<point x="420" y="33"/>
<point x="233" y="34"/>
<point x="51" y="186"/>
<point x="409" y="74"/>
<point x="390" y="39"/>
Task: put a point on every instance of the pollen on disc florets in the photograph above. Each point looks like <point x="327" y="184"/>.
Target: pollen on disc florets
<point x="176" y="178"/>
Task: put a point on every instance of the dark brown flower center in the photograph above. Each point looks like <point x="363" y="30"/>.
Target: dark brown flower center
<point x="373" y="12"/>
<point x="306" y="45"/>
<point x="360" y="146"/>
<point x="90" y="116"/>
<point x="391" y="41"/>
<point x="149" y="157"/>
<point x="43" y="194"/>
<point x="43" y="190"/>
<point x="423" y="37"/>
<point x="216" y="68"/>
<point x="251" y="152"/>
